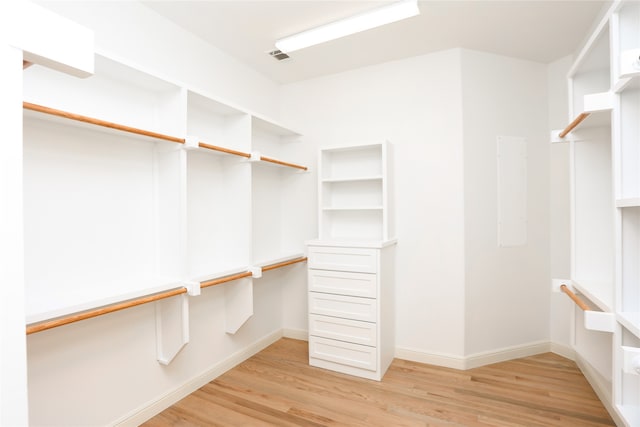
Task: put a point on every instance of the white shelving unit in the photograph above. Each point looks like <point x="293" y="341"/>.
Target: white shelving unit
<point x="351" y="265"/>
<point x="605" y="165"/>
<point x="626" y="66"/>
<point x="355" y="193"/>
<point x="135" y="185"/>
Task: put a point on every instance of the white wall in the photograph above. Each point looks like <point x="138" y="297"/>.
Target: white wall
<point x="507" y="289"/>
<point x="458" y="294"/>
<point x="416" y="105"/>
<point x="560" y="205"/>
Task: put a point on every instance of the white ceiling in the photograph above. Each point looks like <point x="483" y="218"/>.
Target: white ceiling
<point x="538" y="30"/>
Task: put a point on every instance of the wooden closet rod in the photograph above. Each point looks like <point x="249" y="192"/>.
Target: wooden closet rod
<point x="225" y="279"/>
<point x="280" y="162"/>
<point x="26" y="64"/>
<point x="283" y="264"/>
<point x="224" y="150"/>
<point x="571" y="126"/>
<point x="54" y="323"/>
<point x="49" y="324"/>
<point x="574" y="297"/>
<point x="98" y="122"/>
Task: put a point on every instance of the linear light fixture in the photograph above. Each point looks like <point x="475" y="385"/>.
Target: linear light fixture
<point x="351" y="25"/>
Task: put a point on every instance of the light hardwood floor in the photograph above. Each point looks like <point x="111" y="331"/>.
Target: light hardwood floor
<point x="277" y="387"/>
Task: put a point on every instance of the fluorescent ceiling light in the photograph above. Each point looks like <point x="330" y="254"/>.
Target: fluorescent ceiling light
<point x="354" y="24"/>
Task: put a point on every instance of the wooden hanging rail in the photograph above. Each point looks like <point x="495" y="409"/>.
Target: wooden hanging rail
<point x="54" y="323"/>
<point x="280" y="162"/>
<point x="224" y="150"/>
<point x="49" y="324"/>
<point x="225" y="279"/>
<point x="575" y="298"/>
<point x="98" y="122"/>
<point x="283" y="264"/>
<point x="571" y="126"/>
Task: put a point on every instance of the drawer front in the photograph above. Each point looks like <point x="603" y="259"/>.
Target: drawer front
<point x="359" y="260"/>
<point x="344" y="353"/>
<point x="353" y="331"/>
<point x="344" y="283"/>
<point x="346" y="307"/>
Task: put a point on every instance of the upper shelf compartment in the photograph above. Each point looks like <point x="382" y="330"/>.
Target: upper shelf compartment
<point x="355" y="195"/>
<point x="275" y="139"/>
<point x="217" y="127"/>
<point x="152" y="104"/>
<point x="595" y="113"/>
<point x="589" y="85"/>
<point x="590" y="72"/>
<point x="626" y="45"/>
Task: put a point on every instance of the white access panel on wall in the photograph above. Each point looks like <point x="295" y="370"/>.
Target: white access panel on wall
<point x="512" y="191"/>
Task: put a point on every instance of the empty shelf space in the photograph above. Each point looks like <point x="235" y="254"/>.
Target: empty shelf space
<point x="599" y="293"/>
<point x="596" y="113"/>
<point x="631" y="321"/>
<point x="117" y="294"/>
<point x="374" y="178"/>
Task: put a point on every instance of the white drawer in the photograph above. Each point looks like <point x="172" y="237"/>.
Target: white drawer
<point x="344" y="283"/>
<point x="347" y="307"/>
<point x="344" y="353"/>
<point x="359" y="260"/>
<point x="336" y="328"/>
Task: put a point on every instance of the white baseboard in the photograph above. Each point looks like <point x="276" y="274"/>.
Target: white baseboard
<point x="474" y="360"/>
<point x="601" y="386"/>
<point x="145" y="412"/>
<point x="437" y="359"/>
<point x="563" y="350"/>
<point x="296" y="334"/>
<point x="506" y="353"/>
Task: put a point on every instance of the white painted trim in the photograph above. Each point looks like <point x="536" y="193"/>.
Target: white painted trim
<point x="562" y="350"/>
<point x="474" y="360"/>
<point x="600" y="386"/>
<point x="438" y="359"/>
<point x="296" y="334"/>
<point x="146" y="411"/>
<point x="506" y="353"/>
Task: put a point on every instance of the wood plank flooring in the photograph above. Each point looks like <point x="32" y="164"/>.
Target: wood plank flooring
<point x="277" y="387"/>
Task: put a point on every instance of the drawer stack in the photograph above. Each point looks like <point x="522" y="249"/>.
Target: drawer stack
<point x="351" y="325"/>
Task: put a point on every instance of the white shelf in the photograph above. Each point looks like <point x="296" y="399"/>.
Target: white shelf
<point x="599" y="293"/>
<point x="355" y="196"/>
<point x="353" y="208"/>
<point x="220" y="274"/>
<point x="278" y="259"/>
<point x="53" y="304"/>
<point x="631" y="321"/>
<point x="353" y="179"/>
<point x="352" y="243"/>
<point x="630" y="414"/>
<point x="628" y="203"/>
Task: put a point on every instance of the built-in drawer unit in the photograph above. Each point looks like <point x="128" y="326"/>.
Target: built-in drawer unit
<point x="362" y="260"/>
<point x="344" y="306"/>
<point x="343" y="283"/>
<point x="343" y="353"/>
<point x="336" y="328"/>
<point x="351" y="320"/>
